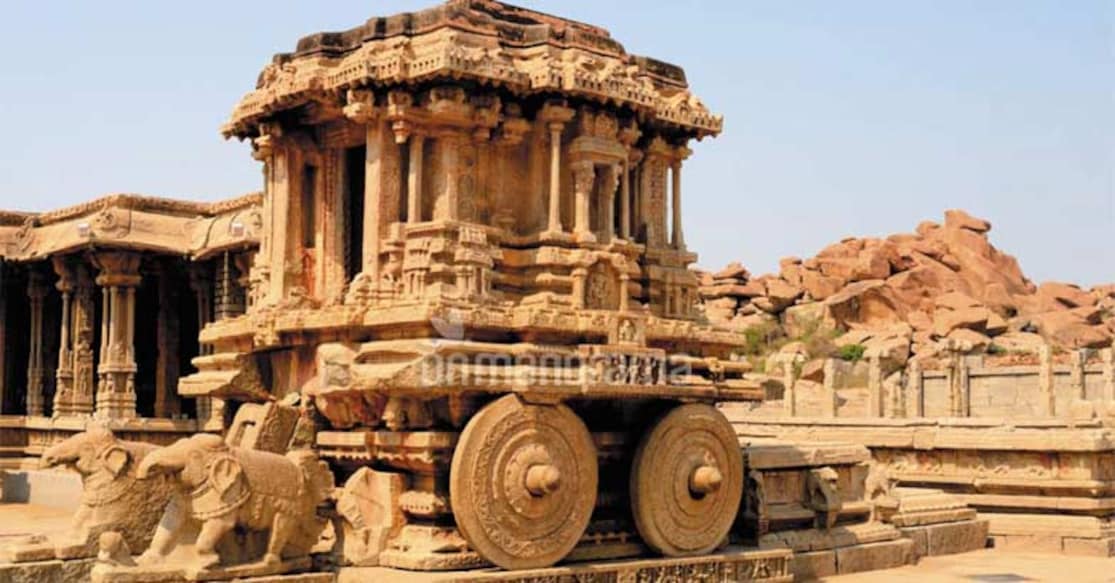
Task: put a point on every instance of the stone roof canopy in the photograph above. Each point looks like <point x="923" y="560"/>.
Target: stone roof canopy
<point x="516" y="49"/>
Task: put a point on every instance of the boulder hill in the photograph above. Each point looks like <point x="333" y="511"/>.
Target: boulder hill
<point x="912" y="294"/>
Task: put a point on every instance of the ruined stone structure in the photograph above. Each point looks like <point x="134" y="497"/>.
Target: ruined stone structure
<point x="1030" y="446"/>
<point x="100" y="311"/>
<point x="457" y="329"/>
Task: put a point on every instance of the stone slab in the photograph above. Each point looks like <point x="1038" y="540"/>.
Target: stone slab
<point x="957" y="537"/>
<point x="46" y="571"/>
<point x="920" y="538"/>
<point x="258" y="573"/>
<point x="949" y="538"/>
<point x="1089" y="547"/>
<point x="1019" y="543"/>
<point x="815" y="565"/>
<point x="729" y="566"/>
<point x="874" y="556"/>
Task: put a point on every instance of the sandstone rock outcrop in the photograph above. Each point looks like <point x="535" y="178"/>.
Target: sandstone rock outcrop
<point x="943" y="284"/>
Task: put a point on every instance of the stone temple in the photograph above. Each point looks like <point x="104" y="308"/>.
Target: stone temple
<point x="456" y="336"/>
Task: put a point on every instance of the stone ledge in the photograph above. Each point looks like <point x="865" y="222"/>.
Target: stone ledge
<point x="875" y="556"/>
<point x="769" y="566"/>
<point x="948" y="538"/>
<point x="47" y="571"/>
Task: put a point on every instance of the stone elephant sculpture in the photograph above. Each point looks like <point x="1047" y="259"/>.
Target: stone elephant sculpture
<point x="112" y="498"/>
<point x="224" y="487"/>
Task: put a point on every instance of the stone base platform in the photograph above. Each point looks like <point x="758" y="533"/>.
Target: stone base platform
<point x="938" y="523"/>
<point x="1070" y="535"/>
<point x="732" y="565"/>
<point x="844" y="550"/>
<point x="1042" y="485"/>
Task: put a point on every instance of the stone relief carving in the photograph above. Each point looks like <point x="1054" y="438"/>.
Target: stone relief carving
<point x="601" y="288"/>
<point x="25" y="236"/>
<point x="223" y="488"/>
<point x="112" y="500"/>
<point x="113" y="223"/>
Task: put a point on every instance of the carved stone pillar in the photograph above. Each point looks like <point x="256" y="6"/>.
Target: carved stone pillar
<point x="481" y="194"/>
<point x="652" y="192"/>
<point x="1078" y="360"/>
<point x="875" y="404"/>
<point x="119" y="278"/>
<point x="555" y="115"/>
<point x="64" y="388"/>
<point x="76" y="369"/>
<point x="628" y="136"/>
<point x="201" y="282"/>
<point x="580" y="277"/>
<point x="625" y="201"/>
<point x="168" y="366"/>
<point x="677" y="239"/>
<point x="584" y="175"/>
<point x="828" y="395"/>
<point x="1047" y="401"/>
<point x="380" y="153"/>
<point x="448" y="204"/>
<point x="608" y="204"/>
<point x="635" y="181"/>
<point x="553" y="224"/>
<point x="269" y="279"/>
<point x="414" y="178"/>
<point x="36" y="292"/>
<point x="229" y="300"/>
<point x="915" y="391"/>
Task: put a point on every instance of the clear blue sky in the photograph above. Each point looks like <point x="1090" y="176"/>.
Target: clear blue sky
<point x="842" y="118"/>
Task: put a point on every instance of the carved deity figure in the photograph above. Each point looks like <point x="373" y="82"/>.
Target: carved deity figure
<point x="600" y="289"/>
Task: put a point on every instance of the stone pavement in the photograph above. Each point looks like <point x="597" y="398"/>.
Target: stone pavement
<point x="987" y="566"/>
<point x="993" y="566"/>
<point x="19" y="520"/>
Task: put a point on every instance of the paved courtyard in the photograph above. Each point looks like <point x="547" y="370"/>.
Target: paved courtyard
<point x="19" y="520"/>
<point x="988" y="566"/>
<point x="991" y="566"/>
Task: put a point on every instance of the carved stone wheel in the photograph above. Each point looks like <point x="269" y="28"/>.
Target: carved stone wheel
<point x="687" y="481"/>
<point x="523" y="482"/>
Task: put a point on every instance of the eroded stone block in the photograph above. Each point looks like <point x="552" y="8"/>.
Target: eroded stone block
<point x="874" y="556"/>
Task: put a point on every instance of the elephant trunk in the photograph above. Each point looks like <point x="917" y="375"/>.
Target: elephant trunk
<point x="57" y="455"/>
<point x="161" y="461"/>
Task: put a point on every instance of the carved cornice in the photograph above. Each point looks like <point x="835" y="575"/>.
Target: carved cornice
<point x="134" y="222"/>
<point x="477" y="40"/>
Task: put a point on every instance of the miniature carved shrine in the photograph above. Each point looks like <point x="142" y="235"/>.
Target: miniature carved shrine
<point x="457" y="329"/>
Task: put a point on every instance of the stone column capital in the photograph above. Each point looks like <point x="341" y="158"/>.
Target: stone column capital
<point x="117" y="268"/>
<point x="360" y="106"/>
<point x="556" y="112"/>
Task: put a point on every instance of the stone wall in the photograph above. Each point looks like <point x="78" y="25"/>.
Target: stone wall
<point x="1069" y="385"/>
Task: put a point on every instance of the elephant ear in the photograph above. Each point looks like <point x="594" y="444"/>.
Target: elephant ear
<point x="225" y="473"/>
<point x="116" y="460"/>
